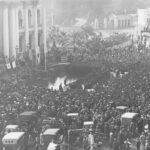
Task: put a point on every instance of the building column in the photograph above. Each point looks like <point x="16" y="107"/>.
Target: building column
<point x="105" y="23"/>
<point x="17" y="29"/>
<point x="122" y="24"/>
<point x="12" y="31"/>
<point x="44" y="29"/>
<point x="44" y="36"/>
<point x="26" y="27"/>
<point x="36" y="36"/>
<point x="115" y="23"/>
<point x="5" y="32"/>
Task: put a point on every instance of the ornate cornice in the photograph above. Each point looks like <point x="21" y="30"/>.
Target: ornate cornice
<point x="9" y="3"/>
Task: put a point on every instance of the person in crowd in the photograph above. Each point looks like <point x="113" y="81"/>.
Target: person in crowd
<point x="115" y="144"/>
<point x="138" y="144"/>
<point x="111" y="139"/>
<point x="142" y="141"/>
<point x="148" y="142"/>
<point x="127" y="144"/>
<point x="91" y="140"/>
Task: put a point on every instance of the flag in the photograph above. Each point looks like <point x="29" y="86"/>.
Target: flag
<point x="8" y="65"/>
<point x="14" y="64"/>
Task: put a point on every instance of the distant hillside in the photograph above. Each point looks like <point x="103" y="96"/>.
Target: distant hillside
<point x="65" y="11"/>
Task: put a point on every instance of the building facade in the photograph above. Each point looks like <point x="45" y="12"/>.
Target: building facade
<point x="143" y="27"/>
<point x="22" y="28"/>
<point x="143" y="19"/>
<point x="122" y="21"/>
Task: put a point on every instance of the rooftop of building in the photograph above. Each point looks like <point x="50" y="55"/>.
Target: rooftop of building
<point x="122" y="15"/>
<point x="19" y="1"/>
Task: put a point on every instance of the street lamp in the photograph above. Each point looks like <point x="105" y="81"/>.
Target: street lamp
<point x="45" y="53"/>
<point x="27" y="47"/>
<point x="17" y="51"/>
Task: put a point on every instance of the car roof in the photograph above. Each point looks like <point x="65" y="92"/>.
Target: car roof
<point x="28" y="113"/>
<point x="88" y="123"/>
<point x="51" y="131"/>
<point x="72" y="114"/>
<point x="129" y="115"/>
<point x="122" y="107"/>
<point x="11" y="126"/>
<point x="13" y="136"/>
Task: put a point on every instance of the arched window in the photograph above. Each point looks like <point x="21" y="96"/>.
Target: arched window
<point x="30" y="18"/>
<point x="20" y="43"/>
<point x="39" y="39"/>
<point x="128" y="23"/>
<point x="30" y="41"/>
<point x="20" y="19"/>
<point x="38" y="17"/>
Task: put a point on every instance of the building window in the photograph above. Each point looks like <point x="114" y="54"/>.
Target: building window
<point x="29" y="18"/>
<point x="145" y="41"/>
<point x="20" y="19"/>
<point x="112" y="23"/>
<point x="38" y="17"/>
<point x="39" y="39"/>
<point x="119" y="23"/>
<point x="128" y="23"/>
<point x="30" y="41"/>
<point x="148" y="21"/>
<point x="122" y="23"/>
<point x="20" y="43"/>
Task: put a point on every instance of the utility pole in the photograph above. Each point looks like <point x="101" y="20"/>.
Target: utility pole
<point x="45" y="60"/>
<point x="52" y="12"/>
<point x="17" y="69"/>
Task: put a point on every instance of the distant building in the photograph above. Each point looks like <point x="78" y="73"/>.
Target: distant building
<point x="96" y="24"/>
<point x="22" y="28"/>
<point x="145" y="36"/>
<point x="143" y="18"/>
<point x="143" y="26"/>
<point x="120" y="21"/>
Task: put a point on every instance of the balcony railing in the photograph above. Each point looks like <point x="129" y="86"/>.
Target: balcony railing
<point x="145" y="32"/>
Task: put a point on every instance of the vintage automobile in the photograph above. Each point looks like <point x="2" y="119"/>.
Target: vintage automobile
<point x="122" y="109"/>
<point x="88" y="124"/>
<point x="11" y="128"/>
<point x="52" y="135"/>
<point x="70" y="119"/>
<point x="28" y="116"/>
<point x="14" y="141"/>
<point x="50" y="121"/>
<point x="28" y="119"/>
<point x="73" y="115"/>
<point x="127" y="117"/>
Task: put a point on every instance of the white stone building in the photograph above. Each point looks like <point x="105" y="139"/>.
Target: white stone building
<point x="143" y="26"/>
<point x="120" y="21"/>
<point x="143" y="18"/>
<point x="22" y="28"/>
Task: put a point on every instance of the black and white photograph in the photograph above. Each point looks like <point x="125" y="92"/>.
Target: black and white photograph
<point x="74" y="74"/>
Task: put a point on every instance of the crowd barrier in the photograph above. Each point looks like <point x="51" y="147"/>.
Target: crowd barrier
<point x="123" y="45"/>
<point x="77" y="136"/>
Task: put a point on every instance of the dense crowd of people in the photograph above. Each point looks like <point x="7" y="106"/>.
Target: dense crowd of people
<point x="123" y="79"/>
<point x="128" y="86"/>
<point x="83" y="45"/>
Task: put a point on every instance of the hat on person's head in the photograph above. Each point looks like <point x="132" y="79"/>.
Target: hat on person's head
<point x="91" y="130"/>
